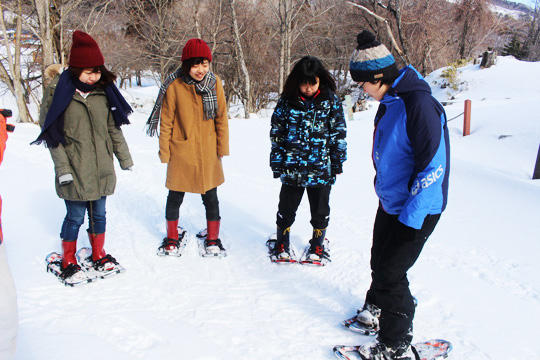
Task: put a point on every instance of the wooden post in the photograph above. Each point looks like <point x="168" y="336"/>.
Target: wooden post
<point x="536" y="173"/>
<point x="467" y="118"/>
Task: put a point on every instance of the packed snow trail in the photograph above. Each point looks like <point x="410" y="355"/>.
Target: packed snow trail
<point x="479" y="266"/>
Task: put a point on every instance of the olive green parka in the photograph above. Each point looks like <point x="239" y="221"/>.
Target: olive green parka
<point x="91" y="140"/>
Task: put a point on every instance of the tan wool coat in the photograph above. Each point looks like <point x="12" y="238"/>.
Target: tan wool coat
<point x="191" y="146"/>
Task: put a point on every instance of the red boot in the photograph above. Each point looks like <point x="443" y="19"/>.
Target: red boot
<point x="102" y="261"/>
<point x="69" y="248"/>
<point x="212" y="243"/>
<point x="71" y="272"/>
<point x="97" y="241"/>
<point x="172" y="234"/>
<point x="212" y="229"/>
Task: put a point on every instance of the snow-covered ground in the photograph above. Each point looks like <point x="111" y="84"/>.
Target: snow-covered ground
<point x="477" y="280"/>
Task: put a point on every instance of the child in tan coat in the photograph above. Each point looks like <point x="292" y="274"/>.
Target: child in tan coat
<point x="193" y="137"/>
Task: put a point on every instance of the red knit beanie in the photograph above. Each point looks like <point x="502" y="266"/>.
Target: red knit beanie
<point x="85" y="51"/>
<point x="195" y="48"/>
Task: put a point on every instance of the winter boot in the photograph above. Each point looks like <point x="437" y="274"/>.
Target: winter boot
<point x="377" y="350"/>
<point x="212" y="243"/>
<point x="368" y="317"/>
<point x="282" y="248"/>
<point x="102" y="261"/>
<point x="71" y="271"/>
<point x="316" y="249"/>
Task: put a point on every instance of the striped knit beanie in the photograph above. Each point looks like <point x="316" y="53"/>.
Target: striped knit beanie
<point x="371" y="61"/>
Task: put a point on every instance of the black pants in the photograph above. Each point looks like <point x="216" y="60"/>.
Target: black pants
<point x="210" y="201"/>
<point x="395" y="249"/>
<point x="289" y="200"/>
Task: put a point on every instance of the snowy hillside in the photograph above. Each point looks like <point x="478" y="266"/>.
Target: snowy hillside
<point x="476" y="279"/>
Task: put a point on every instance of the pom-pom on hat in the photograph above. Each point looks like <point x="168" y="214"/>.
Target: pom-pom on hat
<point x="85" y="51"/>
<point x="371" y="61"/>
<point x="195" y="48"/>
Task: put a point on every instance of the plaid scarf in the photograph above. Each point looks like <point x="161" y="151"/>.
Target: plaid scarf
<point x="206" y="87"/>
<point x="153" y="121"/>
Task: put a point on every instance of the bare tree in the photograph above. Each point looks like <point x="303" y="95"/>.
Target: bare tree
<point x="286" y="12"/>
<point x="471" y="15"/>
<point x="532" y="42"/>
<point x="50" y="15"/>
<point x="156" y="25"/>
<point x="12" y="76"/>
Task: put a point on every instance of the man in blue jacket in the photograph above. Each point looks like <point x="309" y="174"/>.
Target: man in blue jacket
<point x="411" y="155"/>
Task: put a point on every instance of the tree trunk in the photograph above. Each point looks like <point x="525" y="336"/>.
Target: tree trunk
<point x="248" y="105"/>
<point x="464" y="35"/>
<point x="46" y="35"/>
<point x="138" y="80"/>
<point x="281" y="61"/>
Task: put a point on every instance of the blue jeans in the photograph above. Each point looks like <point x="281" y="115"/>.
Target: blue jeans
<point x="75" y="218"/>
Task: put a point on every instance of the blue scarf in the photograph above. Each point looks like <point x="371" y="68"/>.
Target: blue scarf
<point x="52" y="132"/>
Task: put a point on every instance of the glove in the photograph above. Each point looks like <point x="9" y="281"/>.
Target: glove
<point x="336" y="170"/>
<point x="65" y="179"/>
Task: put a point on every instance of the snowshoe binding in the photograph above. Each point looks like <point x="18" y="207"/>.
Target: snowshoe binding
<point x="317" y="255"/>
<point x="366" y="321"/>
<point x="280" y="252"/>
<point x="210" y="248"/>
<point x="173" y="247"/>
<point x="103" y="268"/>
<point x="71" y="275"/>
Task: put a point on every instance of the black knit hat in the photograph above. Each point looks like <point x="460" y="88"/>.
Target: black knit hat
<point x="371" y="61"/>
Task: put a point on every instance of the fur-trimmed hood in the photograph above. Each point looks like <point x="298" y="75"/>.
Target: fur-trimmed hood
<point x="52" y="71"/>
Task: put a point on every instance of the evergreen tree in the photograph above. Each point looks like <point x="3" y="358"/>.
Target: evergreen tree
<point x="515" y="48"/>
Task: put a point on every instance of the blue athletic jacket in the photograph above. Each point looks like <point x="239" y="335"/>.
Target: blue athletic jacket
<point x="411" y="150"/>
<point x="308" y="140"/>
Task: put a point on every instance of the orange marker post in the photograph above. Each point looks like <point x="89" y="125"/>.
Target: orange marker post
<point x="467" y="118"/>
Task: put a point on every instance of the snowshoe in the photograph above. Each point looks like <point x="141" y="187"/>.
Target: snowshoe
<point x="173" y="247"/>
<point x="366" y="321"/>
<point x="278" y="253"/>
<point x="354" y="325"/>
<point x="72" y="275"/>
<point x="429" y="350"/>
<point x="102" y="268"/>
<point x="210" y="248"/>
<point x="316" y="255"/>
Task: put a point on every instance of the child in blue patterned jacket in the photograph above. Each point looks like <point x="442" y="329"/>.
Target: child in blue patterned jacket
<point x="308" y="150"/>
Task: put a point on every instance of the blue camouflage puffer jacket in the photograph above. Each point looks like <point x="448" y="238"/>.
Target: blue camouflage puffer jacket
<point x="308" y="140"/>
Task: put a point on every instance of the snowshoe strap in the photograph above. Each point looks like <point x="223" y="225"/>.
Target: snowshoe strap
<point x="69" y="270"/>
<point x="217" y="242"/>
<point x="168" y="242"/>
<point x="106" y="259"/>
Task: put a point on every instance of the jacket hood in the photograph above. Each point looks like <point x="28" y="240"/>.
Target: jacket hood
<point x="52" y="71"/>
<point x="410" y="80"/>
